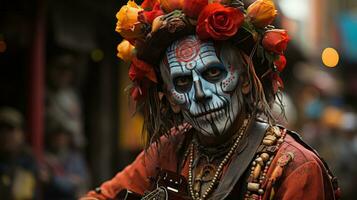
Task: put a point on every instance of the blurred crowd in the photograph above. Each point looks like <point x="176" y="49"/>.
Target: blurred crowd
<point x="62" y="172"/>
<point x="330" y="125"/>
<point x="316" y="107"/>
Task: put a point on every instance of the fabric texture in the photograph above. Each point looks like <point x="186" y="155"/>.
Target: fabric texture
<point x="305" y="177"/>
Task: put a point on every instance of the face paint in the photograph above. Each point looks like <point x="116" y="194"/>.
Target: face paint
<point x="202" y="84"/>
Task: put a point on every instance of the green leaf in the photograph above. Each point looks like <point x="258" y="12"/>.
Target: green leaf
<point x="270" y="57"/>
<point x="248" y="27"/>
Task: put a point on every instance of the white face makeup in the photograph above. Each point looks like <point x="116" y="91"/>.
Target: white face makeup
<point x="202" y="84"/>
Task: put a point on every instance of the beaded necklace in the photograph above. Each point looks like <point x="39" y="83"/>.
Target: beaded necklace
<point x="195" y="196"/>
<point x="272" y="140"/>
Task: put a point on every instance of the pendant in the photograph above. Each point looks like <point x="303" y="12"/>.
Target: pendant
<point x="204" y="176"/>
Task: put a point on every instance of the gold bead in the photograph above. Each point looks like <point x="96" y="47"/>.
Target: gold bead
<point x="269" y="140"/>
<point x="259" y="160"/>
<point x="270" y="131"/>
<point x="265" y="157"/>
<point x="254" y="187"/>
<point x="257" y="171"/>
<point x="277" y="132"/>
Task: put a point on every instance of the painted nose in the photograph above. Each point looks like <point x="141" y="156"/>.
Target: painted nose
<point x="200" y="95"/>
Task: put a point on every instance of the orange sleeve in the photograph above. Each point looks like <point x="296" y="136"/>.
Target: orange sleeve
<point x="305" y="182"/>
<point x="134" y="177"/>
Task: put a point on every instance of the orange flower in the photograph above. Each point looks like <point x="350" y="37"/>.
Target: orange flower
<point x="171" y="5"/>
<point x="125" y="51"/>
<point x="262" y="13"/>
<point x="128" y="25"/>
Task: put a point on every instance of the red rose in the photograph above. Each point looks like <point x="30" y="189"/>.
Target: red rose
<point x="149" y="4"/>
<point x="276" y="40"/>
<point x="149" y="16"/>
<point x="192" y="8"/>
<point x="277" y="82"/>
<point x="139" y="70"/>
<point x="280" y="63"/>
<point x="218" y="22"/>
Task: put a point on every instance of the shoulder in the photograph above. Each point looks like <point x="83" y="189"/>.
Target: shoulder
<point x="301" y="154"/>
<point x="305" y="171"/>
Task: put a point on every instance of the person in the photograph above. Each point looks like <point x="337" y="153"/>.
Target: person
<point x="62" y="100"/>
<point x="66" y="172"/>
<point x="205" y="75"/>
<point x="18" y="168"/>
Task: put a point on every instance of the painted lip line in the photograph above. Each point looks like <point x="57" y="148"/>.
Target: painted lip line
<point x="209" y="112"/>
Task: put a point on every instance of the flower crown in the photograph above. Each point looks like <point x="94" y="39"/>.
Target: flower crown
<point x="150" y="28"/>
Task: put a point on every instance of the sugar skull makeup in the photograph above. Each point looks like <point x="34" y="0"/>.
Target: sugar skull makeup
<point x="202" y="84"/>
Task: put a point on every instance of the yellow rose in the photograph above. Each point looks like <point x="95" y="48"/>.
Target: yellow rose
<point x="128" y="25"/>
<point x="125" y="51"/>
<point x="262" y="13"/>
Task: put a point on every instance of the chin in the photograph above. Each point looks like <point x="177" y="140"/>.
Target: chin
<point x="212" y="124"/>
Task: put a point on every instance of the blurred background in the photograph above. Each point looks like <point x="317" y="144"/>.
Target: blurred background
<point x="65" y="123"/>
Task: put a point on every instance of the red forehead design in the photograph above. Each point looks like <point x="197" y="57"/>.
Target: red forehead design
<point x="187" y="50"/>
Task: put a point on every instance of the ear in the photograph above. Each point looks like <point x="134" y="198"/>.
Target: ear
<point x="246" y="86"/>
<point x="175" y="107"/>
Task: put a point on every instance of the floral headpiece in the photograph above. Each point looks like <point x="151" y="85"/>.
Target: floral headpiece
<point x="150" y="28"/>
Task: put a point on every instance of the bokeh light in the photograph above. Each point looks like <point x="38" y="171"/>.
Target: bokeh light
<point x="330" y="57"/>
<point x="97" y="55"/>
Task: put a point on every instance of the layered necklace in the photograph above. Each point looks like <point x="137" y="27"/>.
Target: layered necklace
<point x="196" y="195"/>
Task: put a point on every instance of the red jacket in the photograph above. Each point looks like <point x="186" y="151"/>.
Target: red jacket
<point x="305" y="177"/>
